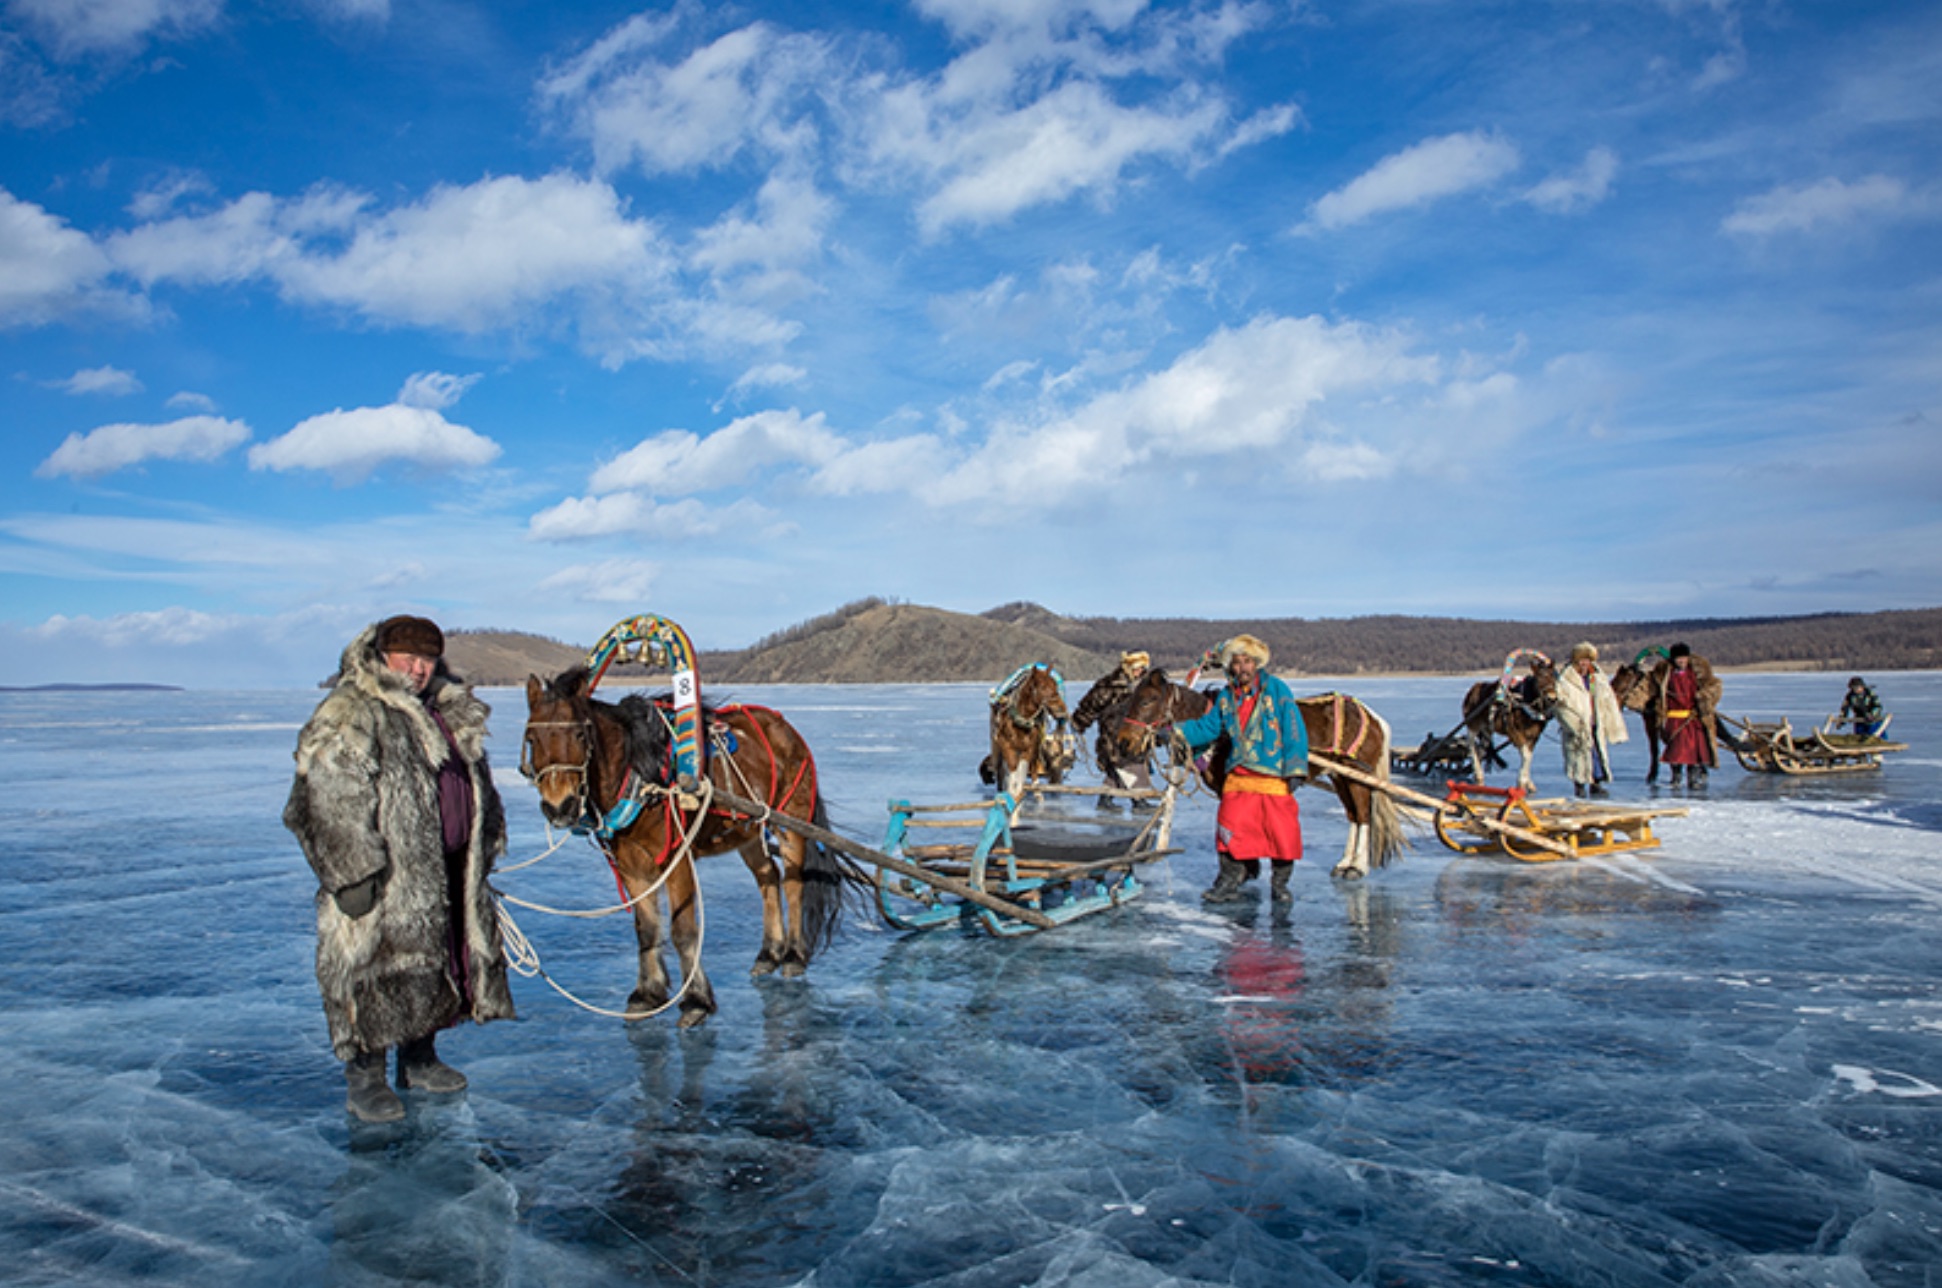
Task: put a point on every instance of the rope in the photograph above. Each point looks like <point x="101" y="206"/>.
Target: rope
<point x="523" y="959"/>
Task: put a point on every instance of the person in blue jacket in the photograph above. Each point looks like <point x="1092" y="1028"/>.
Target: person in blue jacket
<point x="1258" y="818"/>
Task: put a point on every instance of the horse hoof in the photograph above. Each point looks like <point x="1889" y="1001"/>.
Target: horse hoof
<point x="792" y="970"/>
<point x="1347" y="874"/>
<point x="692" y="1019"/>
<point x="764" y="965"/>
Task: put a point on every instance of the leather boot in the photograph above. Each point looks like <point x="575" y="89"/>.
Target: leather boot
<point x="420" y="1069"/>
<point x="1696" y="777"/>
<point x="370" y="1098"/>
<point x="1281" y="870"/>
<point x="1250" y="869"/>
<point x="1227" y="883"/>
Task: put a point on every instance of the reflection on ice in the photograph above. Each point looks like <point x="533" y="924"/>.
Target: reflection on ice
<point x="1710" y="1064"/>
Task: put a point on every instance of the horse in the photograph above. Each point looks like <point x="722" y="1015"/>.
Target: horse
<point x="1632" y="686"/>
<point x="1338" y="726"/>
<point x="1026" y="712"/>
<point x="595" y="762"/>
<point x="1518" y="711"/>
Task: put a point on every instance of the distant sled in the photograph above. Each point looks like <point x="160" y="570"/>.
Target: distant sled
<point x="1775" y="747"/>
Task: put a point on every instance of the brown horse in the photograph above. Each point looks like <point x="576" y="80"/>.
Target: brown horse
<point x="1338" y="726"/>
<point x="1516" y="710"/>
<point x="591" y="760"/>
<point x="1028" y="717"/>
<point x="1632" y="686"/>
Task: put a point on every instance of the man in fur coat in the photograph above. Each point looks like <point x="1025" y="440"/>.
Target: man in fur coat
<point x="1589" y="721"/>
<point x="1108" y="693"/>
<point x="395" y="809"/>
<point x="1688" y="696"/>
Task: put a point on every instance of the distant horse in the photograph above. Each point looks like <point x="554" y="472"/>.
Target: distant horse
<point x="1028" y="715"/>
<point x="593" y="761"/>
<point x="1518" y="710"/>
<point x="1632" y="686"/>
<point x="1338" y="726"/>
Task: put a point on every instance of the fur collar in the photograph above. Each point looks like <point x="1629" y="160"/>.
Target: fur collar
<point x="362" y="668"/>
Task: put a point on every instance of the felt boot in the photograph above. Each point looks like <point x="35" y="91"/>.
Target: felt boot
<point x="370" y="1099"/>
<point x="1696" y="777"/>
<point x="1227" y="883"/>
<point x="1282" y="869"/>
<point x="420" y="1069"/>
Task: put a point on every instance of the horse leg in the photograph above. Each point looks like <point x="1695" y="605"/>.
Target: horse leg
<point x="1652" y="749"/>
<point x="684" y="894"/>
<point x="774" y="937"/>
<point x="1524" y="756"/>
<point x="1355" y="854"/>
<point x="795" y="947"/>
<point x="651" y="986"/>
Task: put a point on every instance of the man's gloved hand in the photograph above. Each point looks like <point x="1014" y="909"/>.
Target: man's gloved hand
<point x="358" y="898"/>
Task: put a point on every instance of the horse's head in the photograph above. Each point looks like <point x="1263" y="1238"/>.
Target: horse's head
<point x="1630" y="688"/>
<point x="1037" y="696"/>
<point x="1541" y="692"/>
<point x="558" y="750"/>
<point x="1147" y="709"/>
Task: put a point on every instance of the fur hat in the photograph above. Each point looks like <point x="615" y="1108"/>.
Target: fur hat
<point x="1678" y="651"/>
<point x="416" y="635"/>
<point x="1134" y="659"/>
<point x="1246" y="646"/>
<point x="1584" y="649"/>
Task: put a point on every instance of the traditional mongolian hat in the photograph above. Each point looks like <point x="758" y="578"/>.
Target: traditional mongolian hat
<point x="1134" y="659"/>
<point x="416" y="635"/>
<point x="1245" y="646"/>
<point x="1678" y="651"/>
<point x="1584" y="649"/>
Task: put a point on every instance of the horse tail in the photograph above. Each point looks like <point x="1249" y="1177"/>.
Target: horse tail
<point x="1387" y="840"/>
<point x="829" y="881"/>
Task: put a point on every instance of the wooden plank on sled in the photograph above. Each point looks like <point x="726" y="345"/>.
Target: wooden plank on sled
<point x="1522" y="835"/>
<point x="864" y="854"/>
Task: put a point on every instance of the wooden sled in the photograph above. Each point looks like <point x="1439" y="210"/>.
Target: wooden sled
<point x="1775" y="747"/>
<point x="1474" y="819"/>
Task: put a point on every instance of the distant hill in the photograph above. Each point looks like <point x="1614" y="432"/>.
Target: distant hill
<point x="873" y="641"/>
<point x="500" y="658"/>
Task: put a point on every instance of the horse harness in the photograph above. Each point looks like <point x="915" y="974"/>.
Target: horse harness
<point x="635" y="789"/>
<point x="1364" y="726"/>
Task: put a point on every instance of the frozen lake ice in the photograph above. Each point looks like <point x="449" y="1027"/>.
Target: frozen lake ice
<point x="1717" y="1063"/>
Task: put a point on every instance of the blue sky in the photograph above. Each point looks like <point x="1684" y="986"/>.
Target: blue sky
<point x="536" y="315"/>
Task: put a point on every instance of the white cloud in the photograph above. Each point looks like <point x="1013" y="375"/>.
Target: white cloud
<point x="1579" y="190"/>
<point x="349" y="445"/>
<point x="1251" y="389"/>
<point x="1433" y="169"/>
<point x="434" y="389"/>
<point x="47" y="269"/>
<point x="193" y="401"/>
<point x="117" y="447"/>
<point x="73" y="28"/>
<point x="677" y="462"/>
<point x="175" y="626"/>
<point x="611" y="581"/>
<point x="110" y="382"/>
<point x="744" y="90"/>
<point x="631" y="514"/>
<point x="1076" y="138"/>
<point x="466" y="259"/>
<point x="1827" y="203"/>
<point x="769" y="375"/>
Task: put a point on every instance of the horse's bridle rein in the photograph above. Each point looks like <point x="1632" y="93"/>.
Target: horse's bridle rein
<point x="536" y="774"/>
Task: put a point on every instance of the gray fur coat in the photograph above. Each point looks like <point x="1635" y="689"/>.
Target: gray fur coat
<point x="365" y="802"/>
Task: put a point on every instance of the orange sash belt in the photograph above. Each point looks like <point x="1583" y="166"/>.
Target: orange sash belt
<point x="1259" y="784"/>
<point x="1679" y="715"/>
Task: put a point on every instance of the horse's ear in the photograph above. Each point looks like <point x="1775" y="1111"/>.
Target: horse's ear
<point x="534" y="690"/>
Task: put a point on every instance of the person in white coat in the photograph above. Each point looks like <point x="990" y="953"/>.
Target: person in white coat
<point x="1589" y="722"/>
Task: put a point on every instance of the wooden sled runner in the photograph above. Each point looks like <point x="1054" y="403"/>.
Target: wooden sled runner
<point x="1775" y="747"/>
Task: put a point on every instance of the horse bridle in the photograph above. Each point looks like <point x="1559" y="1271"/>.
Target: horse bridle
<point x="536" y="775"/>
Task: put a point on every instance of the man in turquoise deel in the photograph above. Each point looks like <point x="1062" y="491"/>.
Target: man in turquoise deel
<point x="1258" y="818"/>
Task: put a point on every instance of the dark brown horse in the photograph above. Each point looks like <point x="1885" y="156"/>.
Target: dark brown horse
<point x="1516" y="710"/>
<point x="1338" y="726"/>
<point x="1028" y="717"/>
<point x="593" y="760"/>
<point x="1632" y="686"/>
